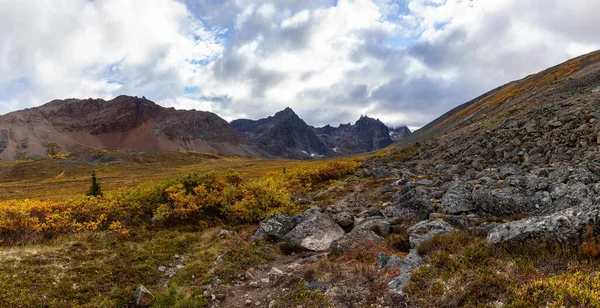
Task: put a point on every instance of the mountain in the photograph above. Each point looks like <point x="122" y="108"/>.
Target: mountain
<point x="398" y="133"/>
<point x="283" y="135"/>
<point x="365" y="135"/>
<point x="124" y="122"/>
<point x="286" y="135"/>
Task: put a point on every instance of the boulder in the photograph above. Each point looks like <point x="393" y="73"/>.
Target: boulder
<point x="502" y="202"/>
<point x="411" y="203"/>
<point x="316" y="231"/>
<point x="565" y="227"/>
<point x="455" y="201"/>
<point x="379" y="225"/>
<point x="426" y="229"/>
<point x="275" y="227"/>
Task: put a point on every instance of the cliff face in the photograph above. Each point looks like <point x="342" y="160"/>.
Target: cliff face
<point x="286" y="135"/>
<point x="124" y="122"/>
<point x="365" y="135"/>
<point x="283" y="135"/>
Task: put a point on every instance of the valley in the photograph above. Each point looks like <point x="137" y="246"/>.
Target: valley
<point x="494" y="204"/>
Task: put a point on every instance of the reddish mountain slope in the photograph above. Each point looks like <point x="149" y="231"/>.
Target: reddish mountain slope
<point x="121" y="123"/>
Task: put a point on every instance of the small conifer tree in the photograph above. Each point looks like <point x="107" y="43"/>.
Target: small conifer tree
<point x="94" y="187"/>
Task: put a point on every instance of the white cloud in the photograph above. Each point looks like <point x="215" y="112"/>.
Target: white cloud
<point x="405" y="62"/>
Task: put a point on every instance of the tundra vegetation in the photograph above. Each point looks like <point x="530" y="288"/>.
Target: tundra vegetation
<point x="94" y="251"/>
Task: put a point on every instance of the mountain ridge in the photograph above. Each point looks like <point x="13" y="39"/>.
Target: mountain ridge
<point x="300" y="141"/>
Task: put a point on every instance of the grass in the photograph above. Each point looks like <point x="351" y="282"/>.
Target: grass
<point x="464" y="271"/>
<point x="101" y="272"/>
<point x="48" y="179"/>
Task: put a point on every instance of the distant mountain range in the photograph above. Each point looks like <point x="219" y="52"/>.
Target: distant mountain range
<point x="286" y="135"/>
<point x="132" y="123"/>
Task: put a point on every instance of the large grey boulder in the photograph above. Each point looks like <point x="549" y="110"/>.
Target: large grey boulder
<point x="425" y="230"/>
<point x="276" y="227"/>
<point x="409" y="263"/>
<point x="565" y="227"/>
<point x="316" y="231"/>
<point x="412" y="203"/>
<point x="502" y="202"/>
<point x="455" y="201"/>
<point x="379" y="225"/>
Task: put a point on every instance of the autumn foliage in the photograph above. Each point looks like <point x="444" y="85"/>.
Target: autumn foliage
<point x="185" y="200"/>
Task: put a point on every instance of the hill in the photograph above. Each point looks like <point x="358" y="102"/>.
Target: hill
<point x="128" y="123"/>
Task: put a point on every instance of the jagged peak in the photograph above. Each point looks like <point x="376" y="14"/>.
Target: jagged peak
<point x="287" y="112"/>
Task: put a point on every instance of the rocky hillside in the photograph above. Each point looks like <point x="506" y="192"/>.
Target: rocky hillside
<point x="287" y="135"/>
<point x="125" y="122"/>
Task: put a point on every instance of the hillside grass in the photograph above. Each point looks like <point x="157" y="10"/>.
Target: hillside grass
<point x="61" y="249"/>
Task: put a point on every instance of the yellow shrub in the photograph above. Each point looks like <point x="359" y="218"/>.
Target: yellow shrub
<point x="571" y="289"/>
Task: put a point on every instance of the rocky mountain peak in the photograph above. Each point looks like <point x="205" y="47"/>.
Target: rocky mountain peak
<point x="285" y="114"/>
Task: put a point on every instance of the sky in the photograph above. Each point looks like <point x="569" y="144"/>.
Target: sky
<point x="405" y="62"/>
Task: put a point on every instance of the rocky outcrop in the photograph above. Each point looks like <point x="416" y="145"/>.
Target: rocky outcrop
<point x="564" y="227"/>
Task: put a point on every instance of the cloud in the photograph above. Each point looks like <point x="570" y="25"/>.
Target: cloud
<point x="404" y="61"/>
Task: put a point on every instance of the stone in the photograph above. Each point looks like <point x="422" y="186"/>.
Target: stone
<point x="409" y="263"/>
<point x="564" y="227"/>
<point x="356" y="239"/>
<point x="379" y="225"/>
<point x="275" y="227"/>
<point x="162" y="268"/>
<point x="143" y="297"/>
<point x="315" y="232"/>
<point x="455" y="202"/>
<point x="254" y="284"/>
<point x="344" y="219"/>
<point x="315" y="286"/>
<point x="384" y="261"/>
<point x="502" y="202"/>
<point x="411" y="203"/>
<point x="275" y="272"/>
<point x="425" y="230"/>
